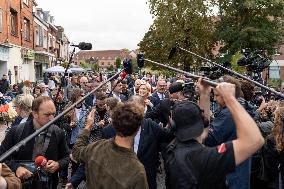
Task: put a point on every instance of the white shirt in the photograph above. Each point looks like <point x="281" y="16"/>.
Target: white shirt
<point x="161" y="96"/>
<point x="136" y="140"/>
<point x="78" y="112"/>
<point x="24" y="120"/>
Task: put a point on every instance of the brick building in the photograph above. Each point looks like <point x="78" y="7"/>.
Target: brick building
<point x="29" y="40"/>
<point x="276" y="68"/>
<point x="104" y="59"/>
<point x="16" y="39"/>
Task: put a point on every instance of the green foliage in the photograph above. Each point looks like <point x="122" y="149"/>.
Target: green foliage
<point x="235" y="67"/>
<point x="85" y="65"/>
<point x="134" y="65"/>
<point x="253" y="24"/>
<point x="95" y="67"/>
<point x="118" y="62"/>
<point x="182" y="21"/>
<point x="275" y="83"/>
<point x="110" y="68"/>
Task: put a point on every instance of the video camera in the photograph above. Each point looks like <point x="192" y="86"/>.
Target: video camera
<point x="254" y="62"/>
<point x="215" y="72"/>
<point x="187" y="89"/>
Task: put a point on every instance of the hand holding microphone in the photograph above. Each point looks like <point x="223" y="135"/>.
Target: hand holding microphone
<point x="50" y="166"/>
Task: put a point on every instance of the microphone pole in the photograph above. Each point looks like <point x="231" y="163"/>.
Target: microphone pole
<point x="37" y="132"/>
<point x="208" y="82"/>
<point x="233" y="72"/>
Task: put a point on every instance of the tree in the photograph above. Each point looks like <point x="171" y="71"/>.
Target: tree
<point x="187" y="22"/>
<point x="253" y="24"/>
<point x="110" y="68"/>
<point x="118" y="62"/>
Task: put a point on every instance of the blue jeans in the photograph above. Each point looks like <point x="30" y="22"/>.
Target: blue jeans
<point x="240" y="178"/>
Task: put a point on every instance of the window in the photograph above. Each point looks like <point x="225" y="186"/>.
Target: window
<point x="274" y="72"/>
<point x="40" y="36"/>
<point x="1" y="18"/>
<point x="26" y="2"/>
<point x="26" y="29"/>
<point x="14" y="22"/>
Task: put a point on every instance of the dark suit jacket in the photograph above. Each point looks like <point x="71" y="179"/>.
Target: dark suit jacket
<point x="155" y="98"/>
<point x="148" y="149"/>
<point x="89" y="100"/>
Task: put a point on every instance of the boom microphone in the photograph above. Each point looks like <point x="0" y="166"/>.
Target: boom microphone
<point x="173" y="50"/>
<point x="140" y="60"/>
<point x="83" y="46"/>
<point x="127" y="65"/>
<point x="40" y="161"/>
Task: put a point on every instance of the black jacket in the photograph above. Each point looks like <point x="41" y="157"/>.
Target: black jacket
<point x="155" y="98"/>
<point x="57" y="149"/>
<point x="148" y="150"/>
<point x="4" y="86"/>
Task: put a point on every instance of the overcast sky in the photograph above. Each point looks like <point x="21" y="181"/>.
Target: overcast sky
<point x="107" y="24"/>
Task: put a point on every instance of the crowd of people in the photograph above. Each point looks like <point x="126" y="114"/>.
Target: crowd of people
<point x="127" y="133"/>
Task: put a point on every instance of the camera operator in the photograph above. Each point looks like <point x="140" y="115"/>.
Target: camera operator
<point x="192" y="165"/>
<point x="223" y="129"/>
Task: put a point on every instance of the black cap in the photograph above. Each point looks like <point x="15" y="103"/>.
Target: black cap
<point x="188" y="120"/>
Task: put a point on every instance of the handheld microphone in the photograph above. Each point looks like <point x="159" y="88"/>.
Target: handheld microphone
<point x="83" y="46"/>
<point x="123" y="75"/>
<point x="40" y="161"/>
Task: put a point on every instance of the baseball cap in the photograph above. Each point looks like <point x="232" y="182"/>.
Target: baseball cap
<point x="188" y="120"/>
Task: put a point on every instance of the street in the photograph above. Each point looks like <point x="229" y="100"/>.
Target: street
<point x="3" y="127"/>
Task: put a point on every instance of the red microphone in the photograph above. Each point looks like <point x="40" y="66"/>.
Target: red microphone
<point x="40" y="161"/>
<point x="123" y="75"/>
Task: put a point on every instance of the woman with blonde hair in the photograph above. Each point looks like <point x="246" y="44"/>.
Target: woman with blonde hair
<point x="23" y="106"/>
<point x="144" y="92"/>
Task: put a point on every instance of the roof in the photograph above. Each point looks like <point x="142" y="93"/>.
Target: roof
<point x="101" y="55"/>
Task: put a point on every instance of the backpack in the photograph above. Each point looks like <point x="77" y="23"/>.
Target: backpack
<point x="180" y="172"/>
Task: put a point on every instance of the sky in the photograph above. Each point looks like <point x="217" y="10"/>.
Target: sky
<point x="107" y="24"/>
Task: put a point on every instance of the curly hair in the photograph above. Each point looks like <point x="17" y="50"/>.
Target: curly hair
<point x="127" y="118"/>
<point x="278" y="129"/>
<point x="247" y="89"/>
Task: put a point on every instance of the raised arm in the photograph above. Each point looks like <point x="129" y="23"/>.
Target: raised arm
<point x="249" y="138"/>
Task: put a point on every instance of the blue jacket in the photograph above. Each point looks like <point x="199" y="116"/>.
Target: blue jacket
<point x="80" y="125"/>
<point x="221" y="130"/>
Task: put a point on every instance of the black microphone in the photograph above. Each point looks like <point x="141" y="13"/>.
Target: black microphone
<point x="140" y="60"/>
<point x="127" y="64"/>
<point x="83" y="46"/>
<point x="173" y="50"/>
<point x="176" y="87"/>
